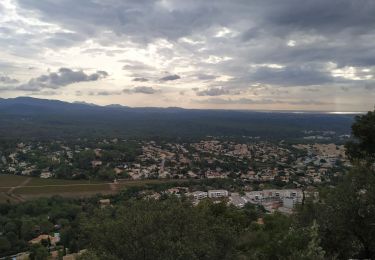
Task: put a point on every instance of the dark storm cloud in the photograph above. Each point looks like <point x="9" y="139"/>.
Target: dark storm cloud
<point x="61" y="78"/>
<point x="170" y="78"/>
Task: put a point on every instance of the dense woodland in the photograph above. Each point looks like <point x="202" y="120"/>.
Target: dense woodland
<point x="46" y="119"/>
<point x="338" y="226"/>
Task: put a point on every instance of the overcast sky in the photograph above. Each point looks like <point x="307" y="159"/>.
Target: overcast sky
<point x="232" y="54"/>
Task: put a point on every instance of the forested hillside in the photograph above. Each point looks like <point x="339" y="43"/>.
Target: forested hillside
<point x="31" y="118"/>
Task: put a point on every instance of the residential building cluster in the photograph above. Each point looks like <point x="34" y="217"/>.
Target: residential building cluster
<point x="283" y="200"/>
<point x="256" y="161"/>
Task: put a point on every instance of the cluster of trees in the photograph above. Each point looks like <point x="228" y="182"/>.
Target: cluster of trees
<point x="175" y="229"/>
<point x="19" y="223"/>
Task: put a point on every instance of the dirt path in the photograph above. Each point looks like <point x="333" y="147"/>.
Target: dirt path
<point x="25" y="182"/>
<point x="113" y="186"/>
<point x="15" y="196"/>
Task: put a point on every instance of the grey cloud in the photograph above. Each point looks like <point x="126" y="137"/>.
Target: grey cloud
<point x="264" y="101"/>
<point x="140" y="79"/>
<point x="291" y="76"/>
<point x="145" y="21"/>
<point x="125" y="17"/>
<point x="325" y="15"/>
<point x="61" y="78"/>
<point x="108" y="93"/>
<point x="137" y="67"/>
<point x="340" y="32"/>
<point x="308" y="102"/>
<point x="63" y="39"/>
<point x="222" y="101"/>
<point x="98" y="51"/>
<point x="140" y="71"/>
<point x="6" y="88"/>
<point x="311" y="89"/>
<point x="141" y="90"/>
<point x="213" y="92"/>
<point x="250" y="34"/>
<point x="44" y="93"/>
<point x="144" y="90"/>
<point x="170" y="78"/>
<point x="8" y="80"/>
<point x="370" y="87"/>
<point x="205" y="77"/>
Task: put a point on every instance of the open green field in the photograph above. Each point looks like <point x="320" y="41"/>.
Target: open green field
<point x="25" y="188"/>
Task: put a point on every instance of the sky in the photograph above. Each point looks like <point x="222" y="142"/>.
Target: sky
<point x="222" y="54"/>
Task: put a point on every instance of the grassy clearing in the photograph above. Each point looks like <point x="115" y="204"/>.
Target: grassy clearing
<point x="51" y="181"/>
<point x="7" y="180"/>
<point x="37" y="187"/>
<point x="143" y="182"/>
<point x="15" y="180"/>
<point x="56" y="190"/>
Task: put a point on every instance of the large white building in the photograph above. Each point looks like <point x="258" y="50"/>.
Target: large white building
<point x="217" y="193"/>
<point x="295" y="194"/>
<point x="199" y="195"/>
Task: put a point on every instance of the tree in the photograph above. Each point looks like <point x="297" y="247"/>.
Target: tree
<point x="363" y="130"/>
<point x="346" y="213"/>
<point x="4" y="245"/>
<point x="38" y="252"/>
<point x="347" y="218"/>
<point x="168" y="229"/>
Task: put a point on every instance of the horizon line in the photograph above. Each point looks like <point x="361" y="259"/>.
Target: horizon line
<point x="218" y="109"/>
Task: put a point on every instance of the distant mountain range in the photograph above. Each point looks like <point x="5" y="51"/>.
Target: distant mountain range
<point x="26" y="117"/>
